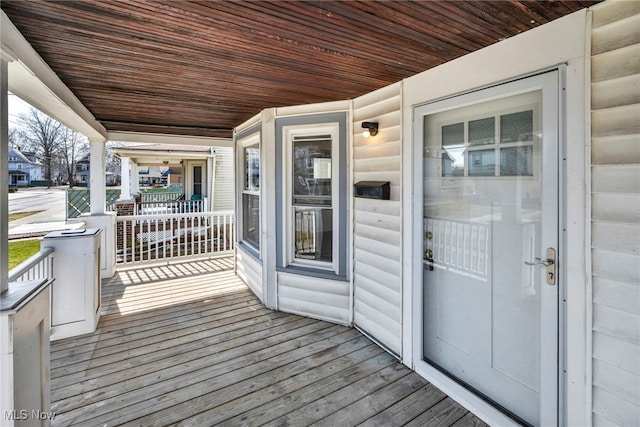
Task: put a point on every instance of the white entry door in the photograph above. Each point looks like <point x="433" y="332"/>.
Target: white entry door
<point x="489" y="308"/>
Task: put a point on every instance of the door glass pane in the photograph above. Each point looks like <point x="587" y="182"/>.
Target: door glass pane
<point x="516" y="127"/>
<point x="481" y="302"/>
<point x="482" y="162"/>
<point x="313" y="231"/>
<point x="482" y="131"/>
<point x="453" y="149"/>
<point x="197" y="180"/>
<point x="516" y="160"/>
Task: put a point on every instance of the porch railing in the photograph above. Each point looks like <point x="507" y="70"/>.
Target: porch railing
<point x="171" y="206"/>
<point x="38" y="266"/>
<point x="79" y="201"/>
<point x="160" y="196"/>
<point x="151" y="238"/>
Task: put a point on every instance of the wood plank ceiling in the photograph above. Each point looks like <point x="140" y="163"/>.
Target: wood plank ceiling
<point x="204" y="67"/>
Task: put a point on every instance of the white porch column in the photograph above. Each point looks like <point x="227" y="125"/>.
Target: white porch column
<point x="135" y="179"/>
<point x="4" y="175"/>
<point x="125" y="182"/>
<point x="97" y="181"/>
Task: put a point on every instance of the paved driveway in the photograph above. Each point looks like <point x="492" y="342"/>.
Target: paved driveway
<point x="50" y="203"/>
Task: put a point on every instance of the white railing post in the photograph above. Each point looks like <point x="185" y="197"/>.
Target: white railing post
<point x="97" y="180"/>
<point x="125" y="179"/>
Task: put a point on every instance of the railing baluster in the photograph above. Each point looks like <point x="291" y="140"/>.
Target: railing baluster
<point x="188" y="234"/>
<point x="191" y="235"/>
<point x="31" y="269"/>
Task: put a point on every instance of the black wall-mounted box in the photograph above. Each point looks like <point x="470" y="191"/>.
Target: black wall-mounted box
<point x="373" y="190"/>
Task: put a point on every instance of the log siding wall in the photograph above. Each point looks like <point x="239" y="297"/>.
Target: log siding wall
<point x="615" y="212"/>
<point x="377" y="224"/>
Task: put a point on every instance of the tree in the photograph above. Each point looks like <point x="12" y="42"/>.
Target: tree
<point x="16" y="137"/>
<point x="43" y="135"/>
<point x="112" y="161"/>
<point x="72" y="147"/>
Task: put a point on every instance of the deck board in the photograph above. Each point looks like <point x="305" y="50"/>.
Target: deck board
<point x="189" y="344"/>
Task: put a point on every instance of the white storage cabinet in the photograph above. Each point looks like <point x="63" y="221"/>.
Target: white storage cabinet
<point x="76" y="292"/>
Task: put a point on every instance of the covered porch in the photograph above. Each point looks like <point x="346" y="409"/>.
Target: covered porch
<point x="288" y="88"/>
<point x="190" y="344"/>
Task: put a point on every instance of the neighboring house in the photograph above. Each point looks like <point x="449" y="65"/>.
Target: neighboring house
<point x="149" y="176"/>
<point x="112" y="178"/>
<point x="172" y="176"/>
<point x="23" y="168"/>
<point x="82" y="170"/>
<point x="203" y="171"/>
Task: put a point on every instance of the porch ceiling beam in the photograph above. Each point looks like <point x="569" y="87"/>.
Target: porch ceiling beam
<point x="30" y="78"/>
<point x="149" y="156"/>
<point x="159" y="138"/>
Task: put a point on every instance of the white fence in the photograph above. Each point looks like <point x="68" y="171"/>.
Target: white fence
<point x="38" y="266"/>
<point x="152" y="238"/>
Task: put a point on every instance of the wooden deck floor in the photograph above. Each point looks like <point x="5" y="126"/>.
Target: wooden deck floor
<point x="189" y="344"/>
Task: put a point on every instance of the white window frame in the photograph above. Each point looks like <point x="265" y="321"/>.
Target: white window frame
<point x="289" y="132"/>
<point x="249" y="142"/>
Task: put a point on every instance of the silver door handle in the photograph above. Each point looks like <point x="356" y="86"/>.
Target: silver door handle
<point x="539" y="261"/>
<point x="549" y="263"/>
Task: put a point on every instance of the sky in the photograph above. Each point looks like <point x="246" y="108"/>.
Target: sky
<point x="16" y="107"/>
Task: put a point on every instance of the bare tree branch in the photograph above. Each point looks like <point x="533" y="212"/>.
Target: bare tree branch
<point x="71" y="149"/>
<point x="43" y="135"/>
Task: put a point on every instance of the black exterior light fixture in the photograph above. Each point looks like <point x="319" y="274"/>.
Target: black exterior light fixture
<point x="370" y="129"/>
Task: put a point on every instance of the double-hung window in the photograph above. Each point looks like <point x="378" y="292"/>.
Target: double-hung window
<point x="313" y="177"/>
<point x="250" y="202"/>
<point x="311" y="201"/>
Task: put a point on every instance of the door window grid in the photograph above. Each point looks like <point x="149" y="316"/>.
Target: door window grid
<point x="495" y="145"/>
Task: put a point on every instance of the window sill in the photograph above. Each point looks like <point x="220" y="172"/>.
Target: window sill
<point x="312" y="272"/>
<point x="247" y="248"/>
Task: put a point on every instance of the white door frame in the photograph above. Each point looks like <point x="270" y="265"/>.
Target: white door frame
<point x="188" y="177"/>
<point x="469" y="399"/>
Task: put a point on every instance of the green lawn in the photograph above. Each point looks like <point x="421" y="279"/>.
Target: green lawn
<point x="20" y="250"/>
<point x="18" y="215"/>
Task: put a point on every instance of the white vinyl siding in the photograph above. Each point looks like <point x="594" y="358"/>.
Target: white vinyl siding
<point x="249" y="269"/>
<point x="615" y="212"/>
<point x="377" y="245"/>
<point x="313" y="297"/>
<point x="224" y="187"/>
